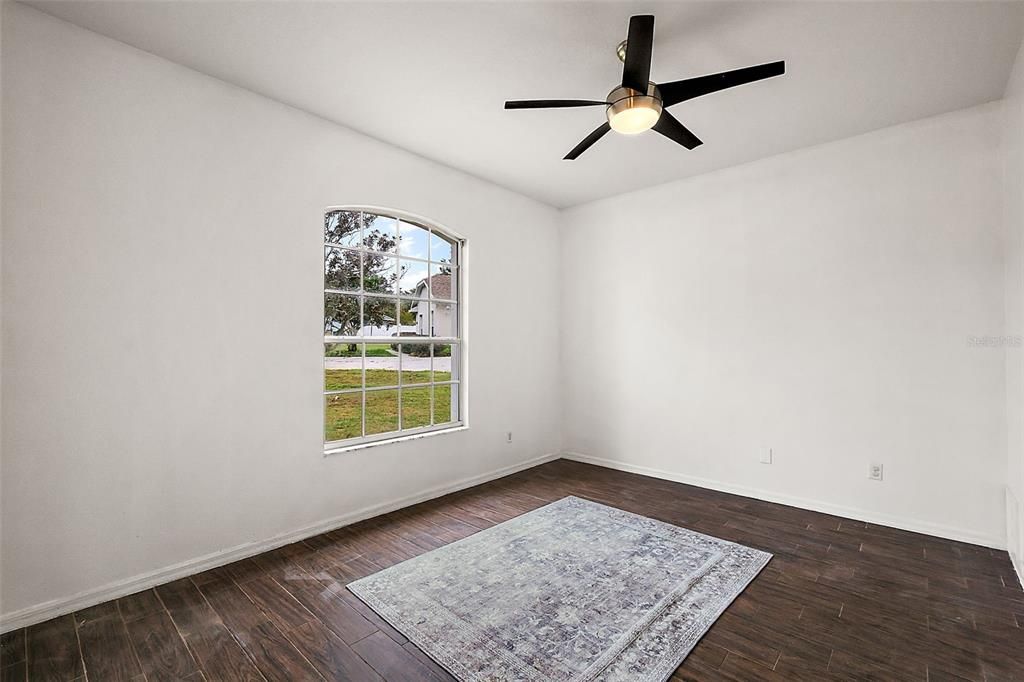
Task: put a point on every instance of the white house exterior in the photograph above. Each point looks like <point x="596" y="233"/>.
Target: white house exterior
<point x="443" y="313"/>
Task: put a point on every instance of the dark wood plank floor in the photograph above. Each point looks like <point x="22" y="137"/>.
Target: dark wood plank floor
<point x="841" y="599"/>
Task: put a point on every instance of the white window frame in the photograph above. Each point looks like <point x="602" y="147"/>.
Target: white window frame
<point x="458" y="381"/>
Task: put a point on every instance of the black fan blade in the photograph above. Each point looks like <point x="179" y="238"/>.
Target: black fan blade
<point x="669" y="126"/>
<point x="550" y="103"/>
<point x="636" y="73"/>
<point x="587" y="141"/>
<point x="680" y="91"/>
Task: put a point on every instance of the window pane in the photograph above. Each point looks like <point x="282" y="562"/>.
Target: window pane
<point x="343" y="366"/>
<point x="343" y="417"/>
<point x="415" y="363"/>
<point x="440" y="248"/>
<point x="413" y="279"/>
<point x="415" y="317"/>
<point x="380" y="273"/>
<point x="442" y="362"/>
<point x="341" y="269"/>
<point x="381" y="365"/>
<point x="443" y="281"/>
<point x="342" y="227"/>
<point x="407" y="317"/>
<point x="385" y="352"/>
<point x="412" y="240"/>
<point x="380" y="233"/>
<point x="415" y="407"/>
<point x="381" y="411"/>
<point x="341" y="315"/>
<point x="444" y="319"/>
<point x="379" y="316"/>
<point x="446" y="403"/>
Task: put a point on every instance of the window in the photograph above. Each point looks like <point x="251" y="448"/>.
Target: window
<point x="392" y="332"/>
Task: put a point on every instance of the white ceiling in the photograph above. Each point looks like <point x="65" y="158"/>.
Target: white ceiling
<point x="432" y="77"/>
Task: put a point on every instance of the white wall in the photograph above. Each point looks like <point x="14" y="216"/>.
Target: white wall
<point x="162" y="314"/>
<point x="819" y="303"/>
<point x="1013" y="207"/>
<point x="3" y="12"/>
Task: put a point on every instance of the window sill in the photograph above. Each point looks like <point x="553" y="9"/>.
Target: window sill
<point x="337" y="450"/>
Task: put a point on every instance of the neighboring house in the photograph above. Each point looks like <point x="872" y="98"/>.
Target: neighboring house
<point x="442" y="313"/>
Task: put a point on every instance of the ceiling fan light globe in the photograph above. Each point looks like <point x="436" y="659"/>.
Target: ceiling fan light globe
<point x="631" y="111"/>
<point x="633" y="120"/>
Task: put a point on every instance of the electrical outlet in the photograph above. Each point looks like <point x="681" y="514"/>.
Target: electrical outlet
<point x="508" y="437"/>
<point x="875" y="472"/>
<point x="766" y="456"/>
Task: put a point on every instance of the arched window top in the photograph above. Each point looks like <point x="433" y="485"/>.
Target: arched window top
<point x="389" y="233"/>
<point x="392" y="329"/>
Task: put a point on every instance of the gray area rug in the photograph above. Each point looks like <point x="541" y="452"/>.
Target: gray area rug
<point x="573" y="591"/>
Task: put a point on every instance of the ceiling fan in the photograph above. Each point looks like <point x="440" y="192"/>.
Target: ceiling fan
<point x="638" y="104"/>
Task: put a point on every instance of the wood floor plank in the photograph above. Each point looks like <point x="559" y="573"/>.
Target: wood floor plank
<point x="353" y="569"/>
<point x="160" y="648"/>
<point x="234" y="606"/>
<point x="220" y="655"/>
<point x="12" y="647"/>
<point x="188" y="608"/>
<point x="751" y="648"/>
<point x="428" y="662"/>
<point x="274" y="655"/>
<point x="706" y="654"/>
<point x="209" y="641"/>
<point x="325" y="601"/>
<point x="370" y="615"/>
<point x="139" y="605"/>
<point x="53" y="652"/>
<point x="106" y="649"/>
<point x="739" y="667"/>
<point x="334" y="659"/>
<point x="851" y="666"/>
<point x="280" y="606"/>
<point x="392" y="661"/>
<point x="14" y="672"/>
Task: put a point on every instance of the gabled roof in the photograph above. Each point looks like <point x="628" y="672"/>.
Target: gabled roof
<point x="440" y="285"/>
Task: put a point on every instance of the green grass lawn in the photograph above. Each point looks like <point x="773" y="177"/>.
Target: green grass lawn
<point x="373" y="350"/>
<point x="343" y="418"/>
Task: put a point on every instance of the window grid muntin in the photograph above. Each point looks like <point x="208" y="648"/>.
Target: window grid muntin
<point x="391" y="387"/>
<point x="455" y="385"/>
<point x="379" y="295"/>
<point x="398" y="259"/>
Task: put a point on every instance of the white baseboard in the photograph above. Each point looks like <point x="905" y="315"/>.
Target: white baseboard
<point x="1018" y="565"/>
<point x="1015" y="532"/>
<point x="938" y="530"/>
<point x="120" y="588"/>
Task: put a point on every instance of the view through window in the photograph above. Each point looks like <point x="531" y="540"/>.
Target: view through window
<point x="392" y="339"/>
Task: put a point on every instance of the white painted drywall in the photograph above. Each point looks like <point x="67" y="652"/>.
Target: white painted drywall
<point x="1013" y="218"/>
<point x="3" y="12"/>
<point x="819" y="303"/>
<point x="162" y="314"/>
